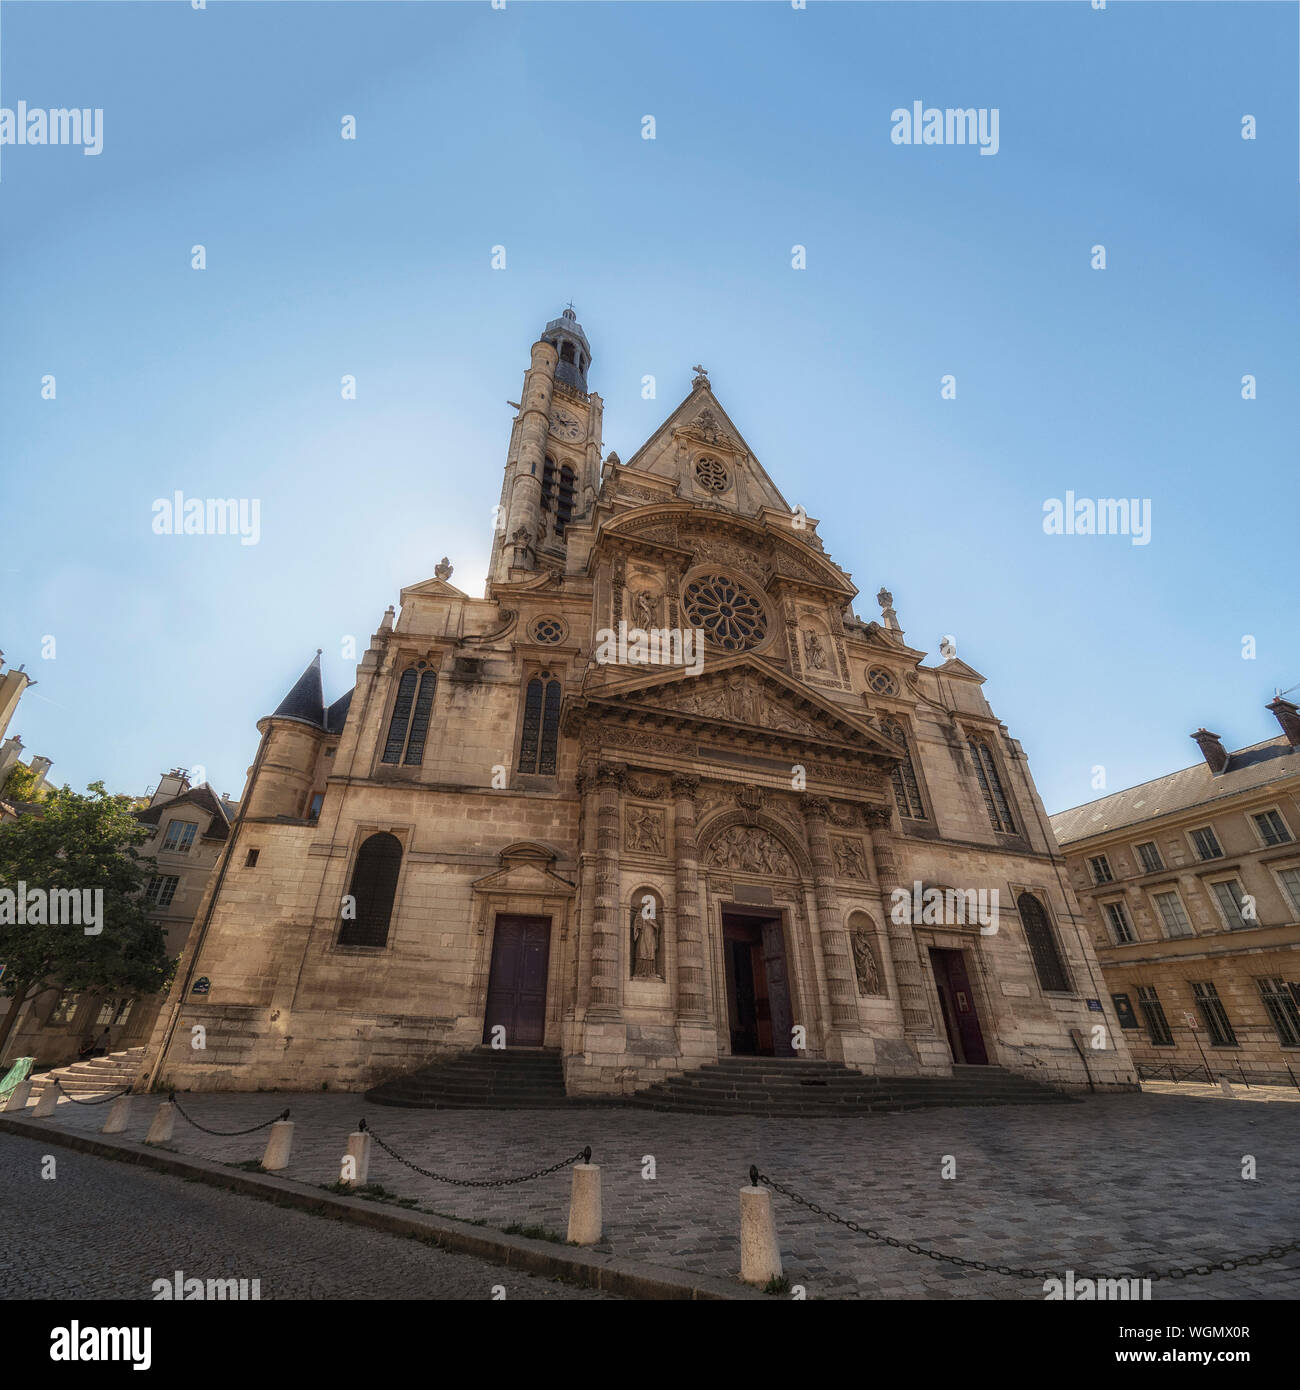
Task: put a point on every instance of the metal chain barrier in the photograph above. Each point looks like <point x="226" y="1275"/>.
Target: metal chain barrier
<point x="225" y="1133"/>
<point x="113" y="1095"/>
<point x="583" y="1155"/>
<point x="1274" y="1252"/>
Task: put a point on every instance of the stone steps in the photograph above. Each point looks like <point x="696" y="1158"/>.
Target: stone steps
<point x="112" y="1073"/>
<point x="768" y="1087"/>
<point x="507" y="1079"/>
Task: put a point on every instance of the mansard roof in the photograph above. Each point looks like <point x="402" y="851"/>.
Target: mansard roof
<point x="202" y="798"/>
<point x="1247" y="769"/>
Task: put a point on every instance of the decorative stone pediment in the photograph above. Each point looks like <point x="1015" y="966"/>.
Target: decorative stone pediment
<point x="744" y="695"/>
<point x="526" y="868"/>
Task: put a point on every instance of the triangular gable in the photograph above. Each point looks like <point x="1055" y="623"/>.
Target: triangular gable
<point x="957" y="668"/>
<point x="525" y="868"/>
<point x="432" y="588"/>
<point x="743" y="691"/>
<point x="701" y="420"/>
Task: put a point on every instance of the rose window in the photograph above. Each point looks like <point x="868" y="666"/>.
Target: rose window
<point x="711" y="474"/>
<point x="729" y="614"/>
<point x="548" y="630"/>
<point x="881" y="681"/>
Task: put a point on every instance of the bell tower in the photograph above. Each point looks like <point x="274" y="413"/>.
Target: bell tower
<point x="553" y="464"/>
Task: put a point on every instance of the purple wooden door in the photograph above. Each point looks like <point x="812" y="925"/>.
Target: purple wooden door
<point x="958" y="1000"/>
<point x="521" y="948"/>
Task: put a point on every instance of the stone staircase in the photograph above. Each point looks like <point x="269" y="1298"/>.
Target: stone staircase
<point x="533" y="1079"/>
<point x="112" y="1073"/>
<point x="793" y="1087"/>
<point x="510" y="1078"/>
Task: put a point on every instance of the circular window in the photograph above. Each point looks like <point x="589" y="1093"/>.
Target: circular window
<point x="711" y="474"/>
<point x="547" y="630"/>
<point x="881" y="681"/>
<point x="729" y="614"/>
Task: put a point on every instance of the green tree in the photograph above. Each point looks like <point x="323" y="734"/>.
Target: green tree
<point x="78" y="842"/>
<point x="20" y="784"/>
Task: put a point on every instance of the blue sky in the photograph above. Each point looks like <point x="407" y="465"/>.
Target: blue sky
<point x="522" y="127"/>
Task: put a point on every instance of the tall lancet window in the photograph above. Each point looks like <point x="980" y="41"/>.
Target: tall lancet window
<point x="986" y="774"/>
<point x="540" y="737"/>
<point x="408" y="729"/>
<point x="564" y="500"/>
<point x="907" y="790"/>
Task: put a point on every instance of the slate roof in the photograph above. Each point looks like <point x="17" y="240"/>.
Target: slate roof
<point x="337" y="713"/>
<point x="1248" y="768"/>
<point x="202" y="797"/>
<point x="306" y="701"/>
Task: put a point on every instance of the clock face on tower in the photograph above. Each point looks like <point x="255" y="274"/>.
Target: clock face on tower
<point x="565" y="425"/>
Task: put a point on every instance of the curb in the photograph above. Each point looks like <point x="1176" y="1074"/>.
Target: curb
<point x="607" y="1272"/>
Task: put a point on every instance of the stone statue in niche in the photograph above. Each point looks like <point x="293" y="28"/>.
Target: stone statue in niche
<point x="815" y="651"/>
<point x="645" y="830"/>
<point x="864" y="964"/>
<point x="645" y="939"/>
<point x="645" y="609"/>
<point x="850" y="862"/>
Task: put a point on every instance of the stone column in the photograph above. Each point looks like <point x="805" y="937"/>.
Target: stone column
<point x="606" y="923"/>
<point x="912" y="996"/>
<point x="692" y="1004"/>
<point x="837" y="958"/>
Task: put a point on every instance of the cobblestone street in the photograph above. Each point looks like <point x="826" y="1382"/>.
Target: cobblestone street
<point x="102" y="1229"/>
<point x="1114" y="1184"/>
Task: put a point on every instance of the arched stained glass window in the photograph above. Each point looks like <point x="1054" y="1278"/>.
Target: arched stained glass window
<point x="1042" y="944"/>
<point x="907" y="790"/>
<point x="408" y="729"/>
<point x="995" y="798"/>
<point x="540" y="737"/>
<point x="372" y="891"/>
<point x="400" y="722"/>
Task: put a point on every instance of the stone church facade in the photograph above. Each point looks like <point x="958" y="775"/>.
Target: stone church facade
<point x="515" y="829"/>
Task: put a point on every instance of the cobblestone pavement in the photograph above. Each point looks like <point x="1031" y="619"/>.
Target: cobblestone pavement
<point x="1117" y="1183"/>
<point x="102" y="1229"/>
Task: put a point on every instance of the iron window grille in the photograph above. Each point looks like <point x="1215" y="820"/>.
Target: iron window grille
<point x="1213" y="1014"/>
<point x="1153" y="1013"/>
<point x="1280" y="1003"/>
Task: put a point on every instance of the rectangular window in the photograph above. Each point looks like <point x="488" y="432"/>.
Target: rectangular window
<point x="1153" y="1012"/>
<point x="250" y="861"/>
<point x="1213" y="1014"/>
<point x="123" y="1012"/>
<point x="1121" y="928"/>
<point x="1207" y="843"/>
<point x="106" y="1011"/>
<point x="1229" y="896"/>
<point x="1282" y="1011"/>
<point x="1150" y="857"/>
<point x="1290" y="880"/>
<point x="317" y="801"/>
<point x="1100" y="867"/>
<point x="64" y="1010"/>
<point x="1172" y="917"/>
<point x="180" y="835"/>
<point x="1272" y="828"/>
<point x="161" y="890"/>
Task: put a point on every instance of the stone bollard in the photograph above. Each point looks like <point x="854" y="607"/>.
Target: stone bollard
<point x="48" y="1099"/>
<point x="1226" y="1087"/>
<point x="760" y="1255"/>
<point x="584" y="1204"/>
<point x="278" y="1146"/>
<point x="118" y="1113"/>
<point x="18" y="1096"/>
<point x="160" y="1132"/>
<point x="359" y="1153"/>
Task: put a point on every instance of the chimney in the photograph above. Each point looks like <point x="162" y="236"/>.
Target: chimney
<point x="39" y="767"/>
<point x="10" y="751"/>
<point x="1212" y="750"/>
<point x="1288" y="715"/>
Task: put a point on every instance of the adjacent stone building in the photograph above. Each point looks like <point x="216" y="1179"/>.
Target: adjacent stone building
<point x="519" y="826"/>
<point x="1191" y="885"/>
<point x="191" y="826"/>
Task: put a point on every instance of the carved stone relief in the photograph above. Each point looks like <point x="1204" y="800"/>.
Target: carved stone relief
<point x="643" y="830"/>
<point x="750" y="849"/>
